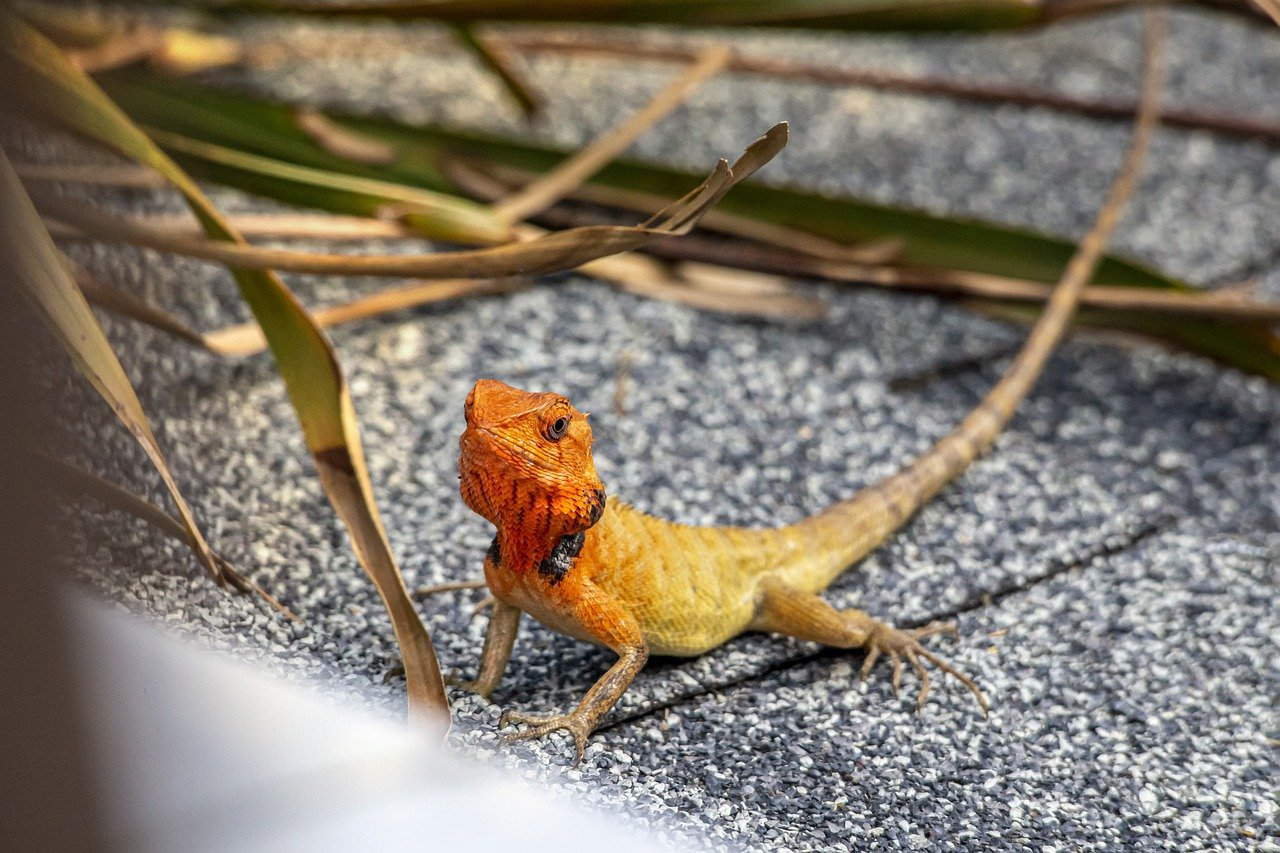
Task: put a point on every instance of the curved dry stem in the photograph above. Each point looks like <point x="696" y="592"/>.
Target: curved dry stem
<point x="552" y="252"/>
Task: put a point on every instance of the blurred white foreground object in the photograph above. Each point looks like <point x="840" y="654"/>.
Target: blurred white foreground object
<point x="198" y="753"/>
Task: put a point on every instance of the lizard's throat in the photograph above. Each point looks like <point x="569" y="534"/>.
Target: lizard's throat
<point x="536" y="527"/>
<point x="552" y="559"/>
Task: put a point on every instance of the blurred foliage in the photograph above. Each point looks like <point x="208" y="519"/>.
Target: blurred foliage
<point x="429" y="157"/>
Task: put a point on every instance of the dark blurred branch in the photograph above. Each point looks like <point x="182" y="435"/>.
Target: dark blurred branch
<point x="745" y="254"/>
<point x="494" y="56"/>
<point x="1247" y="127"/>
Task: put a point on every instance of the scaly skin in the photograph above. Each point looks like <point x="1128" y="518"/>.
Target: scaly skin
<point x="605" y="573"/>
<point x="602" y="572"/>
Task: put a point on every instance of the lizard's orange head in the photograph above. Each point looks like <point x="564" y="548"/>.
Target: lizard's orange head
<point x="526" y="458"/>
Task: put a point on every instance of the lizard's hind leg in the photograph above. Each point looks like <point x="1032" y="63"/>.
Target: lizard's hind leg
<point x="786" y="610"/>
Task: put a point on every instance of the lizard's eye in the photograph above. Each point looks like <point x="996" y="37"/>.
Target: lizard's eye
<point x="557" y="428"/>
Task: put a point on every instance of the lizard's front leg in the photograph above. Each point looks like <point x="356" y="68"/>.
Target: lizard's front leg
<point x="612" y="625"/>
<point x="499" y="639"/>
<point x="582" y="720"/>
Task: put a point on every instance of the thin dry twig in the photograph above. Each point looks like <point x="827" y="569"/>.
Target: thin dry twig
<point x="449" y="586"/>
<point x="622" y="382"/>
<point x="247" y="338"/>
<point x="279" y="226"/>
<point x="125" y="304"/>
<point x="494" y="56"/>
<point x="492" y="182"/>
<point x="993" y="93"/>
<point x="1048" y="329"/>
<point x="554" y="185"/>
<point x="77" y="481"/>
<point x="341" y="141"/>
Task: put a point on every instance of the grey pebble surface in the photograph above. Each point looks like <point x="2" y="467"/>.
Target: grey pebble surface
<point x="1129" y="520"/>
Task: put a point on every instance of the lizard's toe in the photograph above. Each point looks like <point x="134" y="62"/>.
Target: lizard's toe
<point x="873" y="654"/>
<point x="575" y="724"/>
<point x="933" y="628"/>
<point x="904" y="646"/>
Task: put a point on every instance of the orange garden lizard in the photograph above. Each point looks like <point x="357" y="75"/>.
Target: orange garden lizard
<point x="597" y="570"/>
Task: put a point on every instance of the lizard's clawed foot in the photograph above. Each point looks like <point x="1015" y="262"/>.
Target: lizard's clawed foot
<point x="904" y="645"/>
<point x="576" y="724"/>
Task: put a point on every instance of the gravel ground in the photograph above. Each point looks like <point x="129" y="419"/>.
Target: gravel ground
<point x="1126" y="529"/>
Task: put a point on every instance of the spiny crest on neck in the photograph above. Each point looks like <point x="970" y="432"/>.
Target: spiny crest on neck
<point x="526" y="465"/>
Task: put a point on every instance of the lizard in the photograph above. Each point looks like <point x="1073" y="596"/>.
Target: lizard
<point x="591" y="567"/>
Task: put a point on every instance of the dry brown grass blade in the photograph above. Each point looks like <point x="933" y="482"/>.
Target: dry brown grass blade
<point x="1271" y="7"/>
<point x="281" y="226"/>
<point x="959" y="283"/>
<point x="115" y="175"/>
<point x="986" y="422"/>
<point x="713" y="278"/>
<point x="646" y="277"/>
<point x="126" y="304"/>
<point x="74" y="480"/>
<point x="772" y="307"/>
<point x="494" y="56"/>
<point x="573" y="172"/>
<point x="247" y="338"/>
<point x="343" y="142"/>
<point x="495" y="181"/>
<point x="545" y="253"/>
<point x="633" y="273"/>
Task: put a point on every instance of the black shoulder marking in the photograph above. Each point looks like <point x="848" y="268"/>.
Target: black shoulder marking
<point x="560" y="560"/>
<point x="494" y="553"/>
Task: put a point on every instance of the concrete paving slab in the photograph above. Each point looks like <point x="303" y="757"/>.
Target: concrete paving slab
<point x="1128" y="524"/>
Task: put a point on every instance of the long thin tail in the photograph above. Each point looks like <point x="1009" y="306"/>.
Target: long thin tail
<point x="841" y="535"/>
